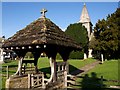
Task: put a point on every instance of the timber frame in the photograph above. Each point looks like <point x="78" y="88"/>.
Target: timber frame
<point x="51" y="51"/>
<point x="40" y="36"/>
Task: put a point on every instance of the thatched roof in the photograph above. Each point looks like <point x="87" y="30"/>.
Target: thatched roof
<point x="41" y="31"/>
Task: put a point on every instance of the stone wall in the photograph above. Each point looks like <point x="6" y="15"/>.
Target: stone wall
<point x="17" y="82"/>
<point x="22" y="83"/>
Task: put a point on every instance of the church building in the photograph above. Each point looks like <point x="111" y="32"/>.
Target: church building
<point x="85" y="20"/>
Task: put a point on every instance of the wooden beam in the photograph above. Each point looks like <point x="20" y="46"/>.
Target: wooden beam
<point x="53" y="76"/>
<point x="36" y="55"/>
<point x="65" y="53"/>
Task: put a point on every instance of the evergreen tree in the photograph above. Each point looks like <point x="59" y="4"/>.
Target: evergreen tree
<point x="107" y="36"/>
<point x="79" y="34"/>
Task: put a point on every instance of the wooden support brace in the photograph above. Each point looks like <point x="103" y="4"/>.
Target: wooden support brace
<point x="43" y="84"/>
<point x="19" y="70"/>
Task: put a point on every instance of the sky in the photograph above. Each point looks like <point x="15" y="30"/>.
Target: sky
<point x="17" y="15"/>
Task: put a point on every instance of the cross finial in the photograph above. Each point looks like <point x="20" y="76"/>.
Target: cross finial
<point x="43" y="11"/>
<point x="84" y="4"/>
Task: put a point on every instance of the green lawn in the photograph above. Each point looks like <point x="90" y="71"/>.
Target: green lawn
<point x="43" y="65"/>
<point x="12" y="69"/>
<point x="77" y="64"/>
<point x="109" y="71"/>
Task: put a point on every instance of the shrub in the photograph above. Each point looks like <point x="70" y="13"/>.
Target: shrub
<point x="58" y="56"/>
<point x="76" y="55"/>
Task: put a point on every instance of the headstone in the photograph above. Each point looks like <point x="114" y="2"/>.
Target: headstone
<point x="102" y="58"/>
<point x="90" y="53"/>
<point x="85" y="56"/>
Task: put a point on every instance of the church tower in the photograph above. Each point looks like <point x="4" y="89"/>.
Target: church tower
<point x="85" y="20"/>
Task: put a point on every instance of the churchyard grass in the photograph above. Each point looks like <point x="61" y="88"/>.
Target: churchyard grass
<point x="12" y="69"/>
<point x="77" y="64"/>
<point x="43" y="65"/>
<point x="108" y="70"/>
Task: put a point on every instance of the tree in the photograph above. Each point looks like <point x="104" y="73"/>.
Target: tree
<point x="79" y="34"/>
<point x="29" y="55"/>
<point x="107" y="36"/>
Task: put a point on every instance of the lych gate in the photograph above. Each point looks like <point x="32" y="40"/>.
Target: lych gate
<point x="41" y="36"/>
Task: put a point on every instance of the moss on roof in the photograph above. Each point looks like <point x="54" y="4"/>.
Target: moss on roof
<point x="41" y="31"/>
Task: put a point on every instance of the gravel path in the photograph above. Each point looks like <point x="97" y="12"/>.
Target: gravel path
<point x="85" y="69"/>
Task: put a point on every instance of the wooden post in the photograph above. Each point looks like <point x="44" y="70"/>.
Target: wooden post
<point x="24" y="69"/>
<point x="65" y="73"/>
<point x="32" y="80"/>
<point x="67" y="67"/>
<point x="37" y="79"/>
<point x="58" y="67"/>
<point x="101" y="81"/>
<point x="43" y="84"/>
<point x="7" y="69"/>
<point x="62" y="67"/>
<point x="36" y="55"/>
<point x="53" y="70"/>
<point x="31" y="66"/>
<point x="20" y="70"/>
<point x="65" y="78"/>
<point x="29" y="81"/>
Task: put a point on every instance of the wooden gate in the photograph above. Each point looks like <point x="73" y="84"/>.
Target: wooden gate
<point x="61" y="77"/>
<point x="36" y="80"/>
<point x="27" y="67"/>
<point x="62" y="68"/>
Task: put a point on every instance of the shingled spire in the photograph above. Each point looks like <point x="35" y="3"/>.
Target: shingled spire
<point x="85" y="20"/>
<point x="84" y="15"/>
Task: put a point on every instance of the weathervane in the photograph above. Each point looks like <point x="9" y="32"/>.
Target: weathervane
<point x="43" y="11"/>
